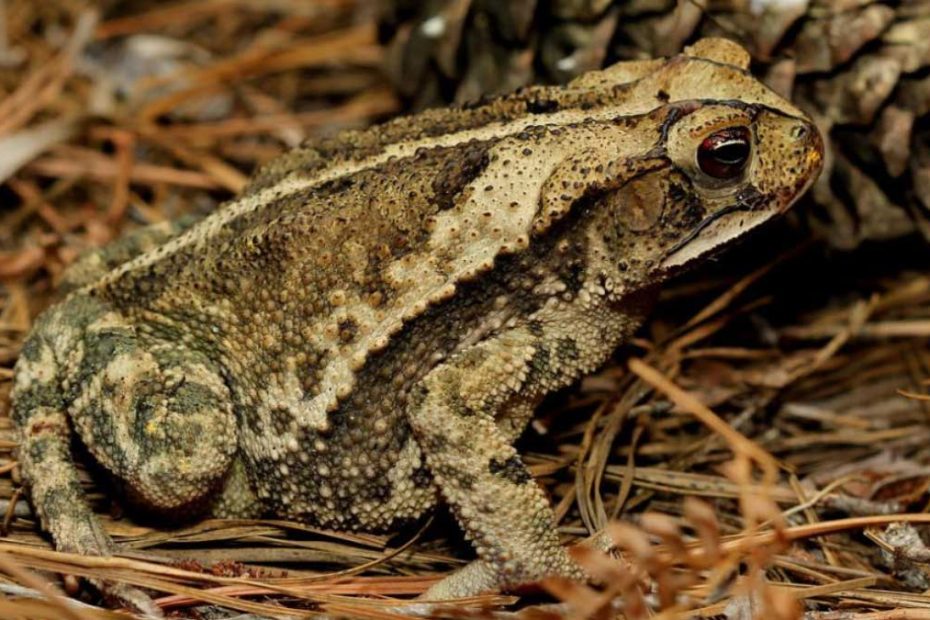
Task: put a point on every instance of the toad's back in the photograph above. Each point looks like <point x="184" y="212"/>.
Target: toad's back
<point x="336" y="245"/>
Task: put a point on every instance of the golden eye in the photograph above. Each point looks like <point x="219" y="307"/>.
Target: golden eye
<point x="724" y="154"/>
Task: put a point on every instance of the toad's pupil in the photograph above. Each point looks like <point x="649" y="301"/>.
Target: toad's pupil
<point x="724" y="154"/>
<point x="732" y="153"/>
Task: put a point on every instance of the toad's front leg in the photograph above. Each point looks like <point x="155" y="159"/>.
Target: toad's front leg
<point x="460" y="418"/>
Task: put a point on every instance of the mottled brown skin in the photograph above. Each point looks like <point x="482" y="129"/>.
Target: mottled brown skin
<point x="366" y="331"/>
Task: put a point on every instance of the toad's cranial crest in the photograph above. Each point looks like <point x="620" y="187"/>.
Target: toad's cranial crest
<point x="366" y="330"/>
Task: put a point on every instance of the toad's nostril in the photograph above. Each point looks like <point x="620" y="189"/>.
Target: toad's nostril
<point x="799" y="132"/>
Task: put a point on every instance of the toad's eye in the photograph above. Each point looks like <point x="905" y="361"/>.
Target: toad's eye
<point x="724" y="154"/>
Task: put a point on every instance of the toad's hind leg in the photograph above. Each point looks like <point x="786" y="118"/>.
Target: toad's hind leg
<point x="156" y="416"/>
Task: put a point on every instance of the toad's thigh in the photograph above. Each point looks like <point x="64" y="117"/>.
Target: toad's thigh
<point x="155" y="414"/>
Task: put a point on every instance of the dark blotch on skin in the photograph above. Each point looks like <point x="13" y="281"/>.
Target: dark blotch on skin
<point x="542" y="106"/>
<point x="32" y="349"/>
<point x="348" y="329"/>
<point x="378" y="492"/>
<point x="512" y="469"/>
<point x="540" y="362"/>
<point x="458" y="172"/>
<point x="567" y="349"/>
<point x="421" y="477"/>
<point x="573" y="276"/>
<point x="535" y="327"/>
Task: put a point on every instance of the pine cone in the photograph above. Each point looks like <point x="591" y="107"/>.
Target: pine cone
<point x="860" y="68"/>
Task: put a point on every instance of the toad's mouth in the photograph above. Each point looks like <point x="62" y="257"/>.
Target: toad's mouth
<point x="703" y="224"/>
<point x="720" y="228"/>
